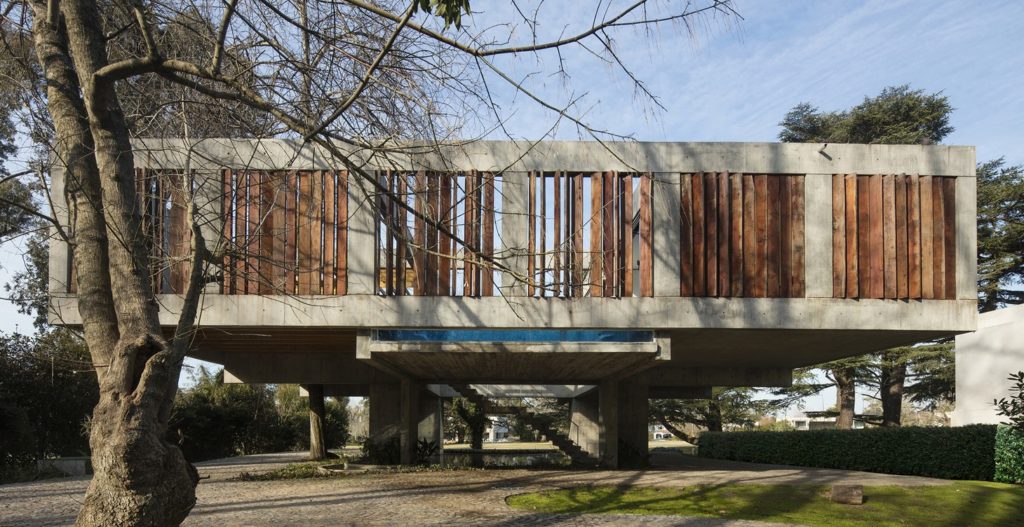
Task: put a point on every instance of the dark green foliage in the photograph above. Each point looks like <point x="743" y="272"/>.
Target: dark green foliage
<point x="1009" y="455"/>
<point x="47" y="391"/>
<point x="425" y="450"/>
<point x="898" y="115"/>
<point x="952" y="453"/>
<point x="1000" y="234"/>
<point x="1013" y="408"/>
<point x="448" y="10"/>
<point x="213" y="419"/>
<point x="382" y="451"/>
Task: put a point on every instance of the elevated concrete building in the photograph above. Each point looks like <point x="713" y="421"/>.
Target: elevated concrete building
<point x="604" y="274"/>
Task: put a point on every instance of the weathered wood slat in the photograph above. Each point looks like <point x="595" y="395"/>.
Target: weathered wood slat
<point x="577" y="232"/>
<point x="646" y="248"/>
<point x="556" y="241"/>
<point x="786" y="277"/>
<point x="628" y="257"/>
<point x="686" y="234"/>
<point x="227" y="213"/>
<point x="608" y="225"/>
<point x="699" y="236"/>
<point x="266" y="233"/>
<point x="864" y="235"/>
<point x="279" y="230"/>
<point x="291" y="238"/>
<point x="838" y="236"/>
<point x="596" y="246"/>
<point x="241" y="229"/>
<point x="749" y="235"/>
<point x="877" y="256"/>
<point x="914" y="250"/>
<point x="444" y="271"/>
<point x="949" y="235"/>
<point x="773" y="250"/>
<point x="724" y="235"/>
<point x="711" y="233"/>
<point x="938" y="245"/>
<point x="402" y="228"/>
<point x="736" y="234"/>
<point x="852" y="236"/>
<point x="531" y="233"/>
<point x="927" y="239"/>
<point x="543" y="245"/>
<point x="761" y="217"/>
<point x="900" y="208"/>
<point x="487" y="272"/>
<point x="420" y="236"/>
<point x="798" y="284"/>
<point x="889" y="235"/>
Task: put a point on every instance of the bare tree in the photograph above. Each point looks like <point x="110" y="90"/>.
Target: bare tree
<point x="344" y="75"/>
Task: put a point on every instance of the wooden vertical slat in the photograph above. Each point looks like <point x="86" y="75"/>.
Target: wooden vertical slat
<point x="889" y="235"/>
<point x="938" y="245"/>
<point x="252" y="250"/>
<point x="596" y="245"/>
<point x="278" y="188"/>
<point x="487" y="222"/>
<point x="241" y="229"/>
<point x="577" y="229"/>
<point x="531" y="234"/>
<point x="227" y="214"/>
<point x="736" y="234"/>
<point x="711" y="233"/>
<point x="761" y="255"/>
<point x="773" y="251"/>
<point x="786" y="245"/>
<point x="317" y="233"/>
<point x="686" y="234"/>
<point x="798" y="284"/>
<point x="444" y="263"/>
<point x="291" y="232"/>
<point x="608" y="223"/>
<point x="390" y="234"/>
<point x="949" y="236"/>
<point x="303" y="240"/>
<point x="543" y="245"/>
<point x="469" y="236"/>
<point x="927" y="239"/>
<point x="330" y="233"/>
<point x="402" y="229"/>
<point x="341" y="246"/>
<point x="699" y="238"/>
<point x="433" y="215"/>
<point x="877" y="239"/>
<point x="556" y="241"/>
<point x="838" y="236"/>
<point x="914" y="289"/>
<point x="900" y="212"/>
<point x="569" y="240"/>
<point x="646" y="248"/>
<point x="852" y="183"/>
<point x="864" y="235"/>
<point x="267" y="267"/>
<point x="419" y="260"/>
<point x="724" y="234"/>
<point x="628" y="257"/>
<point x="749" y="235"/>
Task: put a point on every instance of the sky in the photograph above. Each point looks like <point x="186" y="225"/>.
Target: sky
<point x="733" y="79"/>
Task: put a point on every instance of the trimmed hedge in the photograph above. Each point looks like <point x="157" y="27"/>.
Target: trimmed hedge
<point x="966" y="452"/>
<point x="1009" y="455"/>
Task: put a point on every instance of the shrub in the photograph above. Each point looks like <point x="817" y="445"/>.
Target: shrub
<point x="1009" y="455"/>
<point x="382" y="451"/>
<point x="951" y="453"/>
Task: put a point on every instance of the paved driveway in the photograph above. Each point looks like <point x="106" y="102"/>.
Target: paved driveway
<point x="465" y="497"/>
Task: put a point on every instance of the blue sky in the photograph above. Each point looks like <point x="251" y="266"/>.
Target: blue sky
<point x="733" y="80"/>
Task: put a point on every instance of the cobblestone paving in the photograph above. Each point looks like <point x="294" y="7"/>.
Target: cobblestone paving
<point x="421" y="498"/>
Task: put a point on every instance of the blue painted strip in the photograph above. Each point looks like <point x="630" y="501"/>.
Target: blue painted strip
<point x="513" y="335"/>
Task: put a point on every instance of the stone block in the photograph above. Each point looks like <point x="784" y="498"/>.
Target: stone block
<point x="847" y="494"/>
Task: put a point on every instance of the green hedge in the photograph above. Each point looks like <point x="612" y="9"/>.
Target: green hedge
<point x="952" y="453"/>
<point x="1009" y="455"/>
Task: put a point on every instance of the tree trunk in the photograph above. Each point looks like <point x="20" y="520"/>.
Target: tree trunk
<point x="714" y="417"/>
<point x="673" y="430"/>
<point x="846" y="396"/>
<point x="890" y="389"/>
<point x="317" y="448"/>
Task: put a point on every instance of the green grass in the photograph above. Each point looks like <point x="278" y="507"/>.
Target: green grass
<point x="963" y="503"/>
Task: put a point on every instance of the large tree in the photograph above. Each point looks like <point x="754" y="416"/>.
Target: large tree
<point x="325" y="72"/>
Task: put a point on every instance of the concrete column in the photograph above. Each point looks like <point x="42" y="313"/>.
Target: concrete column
<point x="665" y="220"/>
<point x="362" y="237"/>
<point x="584" y="422"/>
<point x="608" y="423"/>
<point x="385" y="411"/>
<point x="515" y="223"/>
<point x="420" y="418"/>
<point x="60" y="253"/>
<point x="633" y="422"/>
<point x="966" y="238"/>
<point x="818" y="235"/>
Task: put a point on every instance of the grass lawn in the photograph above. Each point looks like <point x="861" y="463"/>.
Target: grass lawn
<point x="962" y="503"/>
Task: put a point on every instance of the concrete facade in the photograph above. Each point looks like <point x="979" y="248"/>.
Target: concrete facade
<point x="984" y="360"/>
<point x="699" y="342"/>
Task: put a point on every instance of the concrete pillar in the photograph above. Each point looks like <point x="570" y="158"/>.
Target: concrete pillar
<point x="584" y="422"/>
<point x="362" y="236"/>
<point x="60" y="253"/>
<point x="385" y="411"/>
<point x="608" y="423"/>
<point x="420" y="418"/>
<point x="665" y="221"/>
<point x="514" y="230"/>
<point x="633" y="423"/>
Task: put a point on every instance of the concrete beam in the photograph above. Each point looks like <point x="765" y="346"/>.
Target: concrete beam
<point x="668" y="375"/>
<point x="680" y="392"/>
<point x="371" y="311"/>
<point x="300" y="368"/>
<point x="584" y="156"/>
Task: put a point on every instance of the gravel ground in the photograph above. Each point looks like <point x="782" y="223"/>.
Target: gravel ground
<point x="449" y="498"/>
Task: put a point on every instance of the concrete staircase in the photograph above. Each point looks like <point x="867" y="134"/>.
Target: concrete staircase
<point x="538" y="423"/>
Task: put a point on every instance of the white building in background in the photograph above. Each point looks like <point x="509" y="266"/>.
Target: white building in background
<point x="984" y="360"/>
<point x="818" y="423"/>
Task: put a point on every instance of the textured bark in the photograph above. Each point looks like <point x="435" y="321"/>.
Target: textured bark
<point x="140" y="479"/>
<point x="846" y="396"/>
<point x="673" y="430"/>
<point x="317" y="448"/>
<point x="890" y="389"/>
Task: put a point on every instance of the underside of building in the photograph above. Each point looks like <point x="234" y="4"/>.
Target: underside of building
<point x="605" y="274"/>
